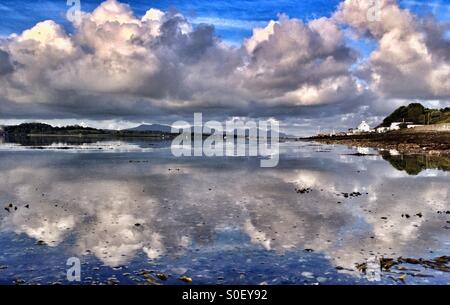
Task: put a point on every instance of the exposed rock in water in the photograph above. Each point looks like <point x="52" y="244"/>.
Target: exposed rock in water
<point x="185" y="279"/>
<point x="162" y="276"/>
<point x="303" y="190"/>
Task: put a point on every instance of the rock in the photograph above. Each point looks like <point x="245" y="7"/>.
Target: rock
<point x="361" y="267"/>
<point x="419" y="215"/>
<point x="41" y="243"/>
<point x="387" y="263"/>
<point x="19" y="282"/>
<point x="27" y="206"/>
<point x="303" y="190"/>
<point x="185" y="279"/>
<point x="409" y="260"/>
<point x="162" y="276"/>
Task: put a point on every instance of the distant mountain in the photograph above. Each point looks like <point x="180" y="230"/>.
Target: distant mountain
<point x="416" y="113"/>
<point x="152" y="128"/>
<point x="266" y="133"/>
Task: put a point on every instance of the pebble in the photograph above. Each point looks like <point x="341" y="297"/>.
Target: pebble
<point x="162" y="276"/>
<point x="186" y="279"/>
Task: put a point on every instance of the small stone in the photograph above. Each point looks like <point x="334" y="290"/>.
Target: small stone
<point x="162" y="276"/>
<point x="19" y="282"/>
<point x="185" y="279"/>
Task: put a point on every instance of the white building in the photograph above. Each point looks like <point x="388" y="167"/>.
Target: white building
<point x="395" y="126"/>
<point x="364" y="127"/>
<point x="382" y="129"/>
<point x="414" y="126"/>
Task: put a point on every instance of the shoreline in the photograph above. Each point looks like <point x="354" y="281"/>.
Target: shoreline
<point x="406" y="141"/>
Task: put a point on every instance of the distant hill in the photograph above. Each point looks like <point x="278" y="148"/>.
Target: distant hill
<point x="146" y="130"/>
<point x="167" y="129"/>
<point x="418" y="114"/>
<point x="152" y="127"/>
<point x="40" y="128"/>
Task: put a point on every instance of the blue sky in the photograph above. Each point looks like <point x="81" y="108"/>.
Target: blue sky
<point x="233" y="19"/>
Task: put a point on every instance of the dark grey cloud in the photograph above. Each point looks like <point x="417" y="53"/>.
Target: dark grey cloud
<point x="5" y="63"/>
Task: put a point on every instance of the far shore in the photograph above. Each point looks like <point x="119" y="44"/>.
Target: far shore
<point x="100" y="135"/>
<point x="405" y="141"/>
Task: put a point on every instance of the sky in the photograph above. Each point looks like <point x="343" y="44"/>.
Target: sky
<point x="309" y="64"/>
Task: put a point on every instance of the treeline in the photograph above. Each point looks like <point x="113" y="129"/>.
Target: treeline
<point x="76" y="130"/>
<point x="416" y="113"/>
<point x="40" y="128"/>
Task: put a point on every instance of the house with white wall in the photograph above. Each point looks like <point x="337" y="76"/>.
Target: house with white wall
<point x="364" y="127"/>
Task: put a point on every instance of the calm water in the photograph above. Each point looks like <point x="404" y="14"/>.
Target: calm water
<point x="128" y="210"/>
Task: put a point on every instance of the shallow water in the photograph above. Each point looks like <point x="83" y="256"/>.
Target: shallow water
<point x="129" y="210"/>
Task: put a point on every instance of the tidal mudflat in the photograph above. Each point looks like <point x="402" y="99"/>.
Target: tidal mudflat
<point x="134" y="214"/>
